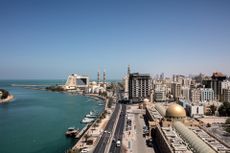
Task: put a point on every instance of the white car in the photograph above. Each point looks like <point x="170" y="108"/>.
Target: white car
<point x="118" y="143"/>
<point x="84" y="151"/>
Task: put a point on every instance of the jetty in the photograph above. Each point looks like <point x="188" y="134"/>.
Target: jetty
<point x="29" y="85"/>
<point x="78" y="136"/>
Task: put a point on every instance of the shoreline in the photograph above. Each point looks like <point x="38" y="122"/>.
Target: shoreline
<point x="7" y="100"/>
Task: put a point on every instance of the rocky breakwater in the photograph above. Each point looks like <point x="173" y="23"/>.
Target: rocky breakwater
<point x="5" y="96"/>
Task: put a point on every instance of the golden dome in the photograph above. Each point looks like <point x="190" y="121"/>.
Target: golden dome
<point x="175" y="111"/>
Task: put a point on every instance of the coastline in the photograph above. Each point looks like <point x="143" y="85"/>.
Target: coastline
<point x="80" y="143"/>
<point x="8" y="99"/>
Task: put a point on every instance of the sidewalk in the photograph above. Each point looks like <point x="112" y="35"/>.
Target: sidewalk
<point x="94" y="133"/>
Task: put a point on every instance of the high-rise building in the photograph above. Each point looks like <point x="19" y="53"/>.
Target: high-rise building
<point x="207" y="95"/>
<point x="195" y="95"/>
<point x="217" y="79"/>
<point x="186" y="82"/>
<point x="160" y="95"/>
<point x="160" y="91"/>
<point x="176" y="89"/>
<point x="162" y="76"/>
<point x="139" y="87"/>
<point x="226" y="95"/>
<point x="185" y="92"/>
<point x="225" y="84"/>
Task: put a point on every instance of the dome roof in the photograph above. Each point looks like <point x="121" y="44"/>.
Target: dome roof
<point x="94" y="83"/>
<point x="175" y="110"/>
<point x="146" y="100"/>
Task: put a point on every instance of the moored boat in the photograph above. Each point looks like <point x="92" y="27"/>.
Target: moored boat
<point x="91" y="114"/>
<point x="87" y="120"/>
<point x="72" y="132"/>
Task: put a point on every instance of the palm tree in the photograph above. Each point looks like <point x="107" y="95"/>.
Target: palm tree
<point x="86" y="136"/>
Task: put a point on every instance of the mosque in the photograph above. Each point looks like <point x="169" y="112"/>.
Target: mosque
<point x="173" y="132"/>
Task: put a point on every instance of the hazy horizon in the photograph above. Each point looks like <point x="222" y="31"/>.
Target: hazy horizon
<point x="52" y="39"/>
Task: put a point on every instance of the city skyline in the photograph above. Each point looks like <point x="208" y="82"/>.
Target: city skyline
<point x="52" y="39"/>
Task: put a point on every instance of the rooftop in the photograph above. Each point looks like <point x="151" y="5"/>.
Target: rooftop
<point x="175" y="111"/>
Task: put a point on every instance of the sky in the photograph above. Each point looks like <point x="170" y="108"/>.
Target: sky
<point x="50" y="39"/>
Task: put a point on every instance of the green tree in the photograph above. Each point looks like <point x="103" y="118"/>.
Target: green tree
<point x="213" y="109"/>
<point x="224" y="109"/>
<point x="227" y="121"/>
<point x="86" y="136"/>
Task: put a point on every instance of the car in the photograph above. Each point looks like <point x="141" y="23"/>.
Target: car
<point x="84" y="151"/>
<point x="149" y="142"/>
<point x="118" y="143"/>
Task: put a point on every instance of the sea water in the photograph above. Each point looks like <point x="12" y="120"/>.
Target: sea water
<point x="35" y="122"/>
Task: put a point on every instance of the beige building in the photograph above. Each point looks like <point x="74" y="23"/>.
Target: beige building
<point x="195" y="96"/>
<point x="173" y="132"/>
<point x="176" y="89"/>
<point x="226" y="95"/>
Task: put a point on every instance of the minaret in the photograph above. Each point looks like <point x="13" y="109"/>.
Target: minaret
<point x="104" y="76"/>
<point x="98" y="76"/>
<point x="128" y="70"/>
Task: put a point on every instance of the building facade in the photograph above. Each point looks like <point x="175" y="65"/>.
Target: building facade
<point x="217" y="79"/>
<point x="139" y="87"/>
<point x="207" y="95"/>
<point x="176" y="89"/>
<point x="185" y="92"/>
<point x="226" y="95"/>
<point x="160" y="95"/>
<point x="195" y="96"/>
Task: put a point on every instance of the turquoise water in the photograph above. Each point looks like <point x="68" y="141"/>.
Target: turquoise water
<point x="36" y="120"/>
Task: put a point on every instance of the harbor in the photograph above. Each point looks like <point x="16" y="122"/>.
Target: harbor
<point x="40" y="113"/>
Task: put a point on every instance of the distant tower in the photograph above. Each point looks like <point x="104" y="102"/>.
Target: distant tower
<point x="128" y="69"/>
<point x="98" y="76"/>
<point x="104" y="76"/>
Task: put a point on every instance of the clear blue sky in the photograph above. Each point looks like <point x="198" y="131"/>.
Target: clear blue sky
<point x="49" y="39"/>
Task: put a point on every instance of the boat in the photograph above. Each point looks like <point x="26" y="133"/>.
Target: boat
<point x="91" y="114"/>
<point x="87" y="120"/>
<point x="72" y="132"/>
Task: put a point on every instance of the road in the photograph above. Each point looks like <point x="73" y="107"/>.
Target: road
<point x="119" y="131"/>
<point x="140" y="143"/>
<point x="100" y="148"/>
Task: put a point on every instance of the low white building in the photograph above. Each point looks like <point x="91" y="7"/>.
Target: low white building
<point x="195" y="110"/>
<point x="96" y="88"/>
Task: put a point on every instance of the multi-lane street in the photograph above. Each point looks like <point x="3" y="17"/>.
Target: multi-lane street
<point x="118" y="132"/>
<point x="103" y="142"/>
